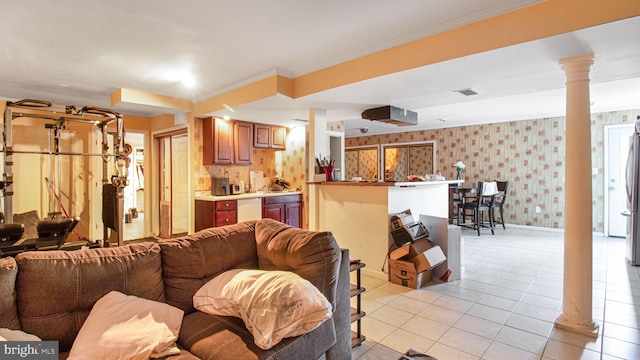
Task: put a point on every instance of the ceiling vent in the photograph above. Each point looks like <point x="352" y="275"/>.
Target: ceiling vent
<point x="466" y="92"/>
<point x="391" y="115"/>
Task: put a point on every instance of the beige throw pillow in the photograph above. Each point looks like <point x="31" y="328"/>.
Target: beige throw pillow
<point x="122" y="326"/>
<point x="273" y="304"/>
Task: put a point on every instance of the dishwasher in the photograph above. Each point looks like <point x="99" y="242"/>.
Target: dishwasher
<point x="249" y="209"/>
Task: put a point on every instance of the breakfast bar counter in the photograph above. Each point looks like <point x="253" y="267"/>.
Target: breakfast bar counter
<point x="357" y="213"/>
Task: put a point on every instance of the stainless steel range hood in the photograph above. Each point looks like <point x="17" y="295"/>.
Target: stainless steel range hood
<point x="391" y="115"/>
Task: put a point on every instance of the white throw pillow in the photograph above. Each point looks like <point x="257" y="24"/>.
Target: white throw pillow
<point x="16" y="335"/>
<point x="273" y="304"/>
<point x="122" y="326"/>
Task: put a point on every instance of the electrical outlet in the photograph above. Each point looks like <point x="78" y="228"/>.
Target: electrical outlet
<point x="538" y="210"/>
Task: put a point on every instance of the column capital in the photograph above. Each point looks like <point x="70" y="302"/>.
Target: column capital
<point x="577" y="65"/>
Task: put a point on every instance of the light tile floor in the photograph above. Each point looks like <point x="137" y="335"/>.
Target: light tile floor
<point x="505" y="305"/>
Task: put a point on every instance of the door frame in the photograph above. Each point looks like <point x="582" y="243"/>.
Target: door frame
<point x="154" y="213"/>
<point x="339" y="135"/>
<point x="605" y="180"/>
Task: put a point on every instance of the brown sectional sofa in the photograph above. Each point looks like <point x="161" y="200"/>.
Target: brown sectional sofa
<point x="50" y="293"/>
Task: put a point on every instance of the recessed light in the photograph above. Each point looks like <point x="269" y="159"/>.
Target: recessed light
<point x="188" y="80"/>
<point x="64" y="85"/>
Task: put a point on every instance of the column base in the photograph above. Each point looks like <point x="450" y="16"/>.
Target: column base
<point x="590" y="329"/>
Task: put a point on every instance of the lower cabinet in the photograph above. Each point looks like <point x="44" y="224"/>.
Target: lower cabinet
<point x="215" y="213"/>
<point x="286" y="209"/>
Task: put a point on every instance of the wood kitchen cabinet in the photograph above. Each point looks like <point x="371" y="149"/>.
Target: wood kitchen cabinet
<point x="242" y="142"/>
<point x="215" y="213"/>
<point x="286" y="209"/>
<point x="269" y="136"/>
<point x="217" y="141"/>
<point x="226" y="142"/>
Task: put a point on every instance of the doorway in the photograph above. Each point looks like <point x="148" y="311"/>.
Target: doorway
<point x="615" y="196"/>
<point x="335" y="144"/>
<point x="134" y="192"/>
<point x="174" y="184"/>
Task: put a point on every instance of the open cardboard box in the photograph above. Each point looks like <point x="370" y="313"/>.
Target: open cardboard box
<point x="411" y="264"/>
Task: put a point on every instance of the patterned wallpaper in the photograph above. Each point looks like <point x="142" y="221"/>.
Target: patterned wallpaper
<point x="529" y="154"/>
<point x="361" y="163"/>
<point x="292" y="160"/>
<point x="420" y="160"/>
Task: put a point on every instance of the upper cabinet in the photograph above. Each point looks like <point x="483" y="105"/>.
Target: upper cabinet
<point x="269" y="136"/>
<point x="242" y="142"/>
<point x="226" y="142"/>
<point x="217" y="141"/>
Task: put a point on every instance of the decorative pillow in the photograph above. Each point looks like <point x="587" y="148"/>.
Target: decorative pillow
<point x="16" y="335"/>
<point x="273" y="304"/>
<point x="122" y="326"/>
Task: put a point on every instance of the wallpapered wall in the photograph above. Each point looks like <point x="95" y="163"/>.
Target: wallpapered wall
<point x="361" y="163"/>
<point x="529" y="154"/>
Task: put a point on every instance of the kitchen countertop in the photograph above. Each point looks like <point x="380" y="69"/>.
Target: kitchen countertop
<point x="206" y="195"/>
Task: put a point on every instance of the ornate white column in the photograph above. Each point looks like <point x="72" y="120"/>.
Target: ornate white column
<point x="577" y="296"/>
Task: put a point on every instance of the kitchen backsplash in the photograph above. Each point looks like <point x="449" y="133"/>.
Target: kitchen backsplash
<point x="263" y="160"/>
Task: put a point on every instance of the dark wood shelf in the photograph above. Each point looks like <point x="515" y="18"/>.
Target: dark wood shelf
<point x="355" y="290"/>
<point x="357" y="314"/>
<point x="356" y="340"/>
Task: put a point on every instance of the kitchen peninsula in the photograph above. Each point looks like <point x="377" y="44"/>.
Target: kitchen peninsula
<point x="357" y="213"/>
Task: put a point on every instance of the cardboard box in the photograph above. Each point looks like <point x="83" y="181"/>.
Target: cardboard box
<point x="411" y="265"/>
<point x="408" y="279"/>
<point x="417" y="257"/>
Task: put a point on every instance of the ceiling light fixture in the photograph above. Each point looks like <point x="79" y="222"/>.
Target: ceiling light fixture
<point x="442" y="120"/>
<point x="188" y="80"/>
<point x="466" y="92"/>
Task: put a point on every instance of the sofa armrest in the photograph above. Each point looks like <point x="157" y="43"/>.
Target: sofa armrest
<point x="313" y="255"/>
<point x="342" y="312"/>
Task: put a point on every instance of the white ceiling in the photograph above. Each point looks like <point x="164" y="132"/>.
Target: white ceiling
<point x="79" y="52"/>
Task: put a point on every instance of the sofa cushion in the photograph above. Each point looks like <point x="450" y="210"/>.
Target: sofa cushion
<point x="190" y="261"/>
<point x="8" y="310"/>
<point x="214" y="337"/>
<point x="313" y="255"/>
<point x="57" y="289"/>
<point x="124" y="326"/>
<point x="272" y="304"/>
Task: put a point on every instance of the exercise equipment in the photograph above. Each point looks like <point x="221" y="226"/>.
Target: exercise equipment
<point x="56" y="118"/>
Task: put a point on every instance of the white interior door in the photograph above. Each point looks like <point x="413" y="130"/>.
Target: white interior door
<point x="616" y="153"/>
<point x="180" y="182"/>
